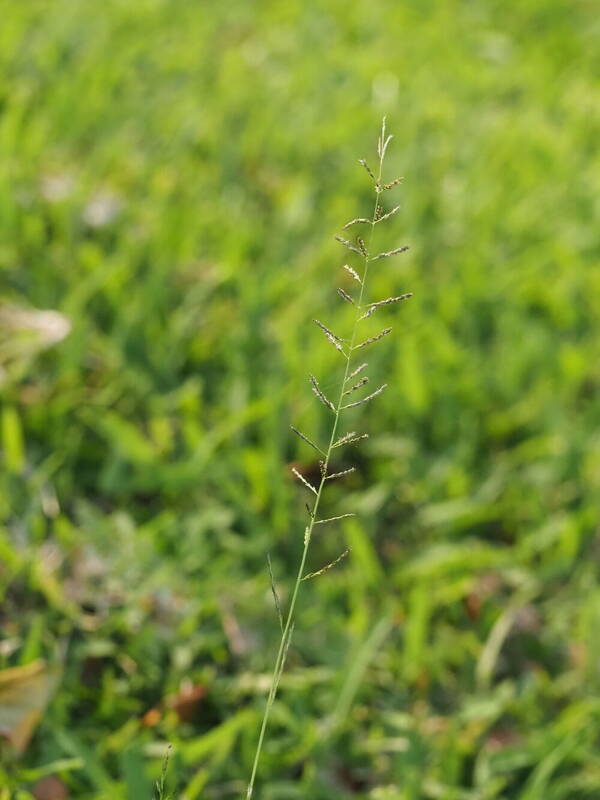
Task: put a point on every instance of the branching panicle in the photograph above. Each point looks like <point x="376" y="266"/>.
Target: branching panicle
<point x="363" y="309"/>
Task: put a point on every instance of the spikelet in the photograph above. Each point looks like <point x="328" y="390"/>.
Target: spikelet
<point x="348" y="244"/>
<point x="349" y="438"/>
<point x="352" y="272"/>
<point x="367" y="313"/>
<point x="381" y="218"/>
<point x="326" y="330"/>
<point x="333" y="519"/>
<point x="356" y="386"/>
<point x="304" y="481"/>
<point x="356" y="221"/>
<point x="327" y="567"/>
<point x="382" y="142"/>
<point x="390" y="300"/>
<point x="372" y="339"/>
<point x="391" y="253"/>
<point x="317" y="390"/>
<point x="362" y="247"/>
<point x="340" y="474"/>
<point x="330" y="336"/>
<point x="307" y="440"/>
<point x="345" y="296"/>
<point x="364" y="164"/>
<point x="357" y="371"/>
<point x="368" y="397"/>
<point x="391" y="184"/>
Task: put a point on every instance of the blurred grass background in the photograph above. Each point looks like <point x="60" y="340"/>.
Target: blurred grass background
<point x="171" y="177"/>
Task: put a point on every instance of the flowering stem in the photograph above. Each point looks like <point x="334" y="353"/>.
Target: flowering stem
<point x="289" y="620"/>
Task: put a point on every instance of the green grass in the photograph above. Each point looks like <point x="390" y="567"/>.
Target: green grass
<point x="144" y="457"/>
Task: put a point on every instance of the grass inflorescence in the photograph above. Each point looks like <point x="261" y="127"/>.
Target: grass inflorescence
<point x="347" y="346"/>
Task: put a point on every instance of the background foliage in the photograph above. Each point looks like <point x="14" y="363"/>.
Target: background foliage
<point x="171" y="177"/>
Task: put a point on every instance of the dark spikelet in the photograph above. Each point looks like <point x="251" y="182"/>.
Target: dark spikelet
<point x="354" y="379"/>
<point x="382" y="217"/>
<point x="327" y="567"/>
<point x="317" y="390"/>
<point x="348" y="244"/>
<point x="356" y="221"/>
<point x="372" y="339"/>
<point x="368" y="397"/>
<point x="307" y="440"/>
<point x="345" y="296"/>
<point x="391" y="184"/>
<point x="389" y="253"/>
<point x="364" y="164"/>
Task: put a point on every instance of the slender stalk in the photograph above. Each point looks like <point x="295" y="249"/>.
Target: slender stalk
<point x="288" y="626"/>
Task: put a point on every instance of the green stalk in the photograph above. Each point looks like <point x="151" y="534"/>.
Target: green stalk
<point x="287" y="629"/>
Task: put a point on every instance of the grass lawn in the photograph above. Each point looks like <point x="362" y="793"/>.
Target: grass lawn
<point x="171" y="177"/>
